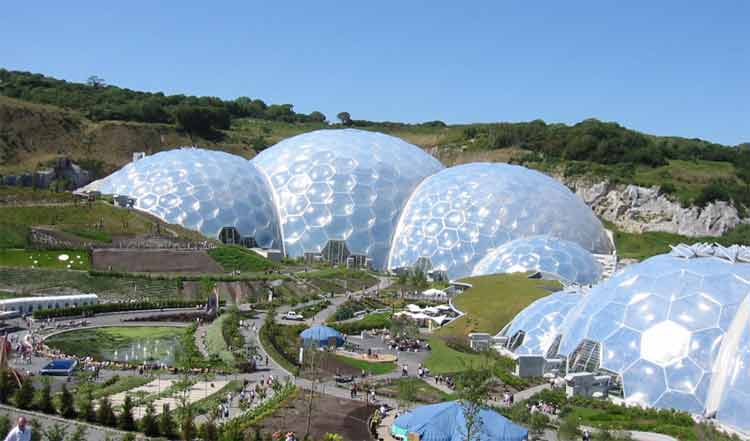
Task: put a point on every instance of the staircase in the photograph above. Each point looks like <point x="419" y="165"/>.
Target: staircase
<point x="586" y="357"/>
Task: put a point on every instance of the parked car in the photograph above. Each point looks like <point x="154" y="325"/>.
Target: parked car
<point x="293" y="315"/>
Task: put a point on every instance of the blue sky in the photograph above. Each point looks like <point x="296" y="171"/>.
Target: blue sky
<point x="665" y="67"/>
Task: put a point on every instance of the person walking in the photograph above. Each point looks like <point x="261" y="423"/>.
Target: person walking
<point x="21" y="432"/>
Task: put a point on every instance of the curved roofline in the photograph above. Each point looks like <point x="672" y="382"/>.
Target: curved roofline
<point x="276" y="205"/>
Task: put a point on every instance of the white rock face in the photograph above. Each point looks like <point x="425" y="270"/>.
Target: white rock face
<point x="638" y="209"/>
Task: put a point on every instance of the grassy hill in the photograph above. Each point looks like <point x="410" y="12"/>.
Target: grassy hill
<point x="493" y="301"/>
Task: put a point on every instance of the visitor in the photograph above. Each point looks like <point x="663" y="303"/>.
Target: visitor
<point x="586" y="436"/>
<point x="21" y="432"/>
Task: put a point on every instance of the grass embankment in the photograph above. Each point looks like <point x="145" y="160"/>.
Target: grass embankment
<point x="370" y="367"/>
<point x="339" y="280"/>
<point x="71" y="259"/>
<point x="233" y="257"/>
<point x="370" y="321"/>
<point x="605" y="415"/>
<point x="215" y="343"/>
<point x="100" y="341"/>
<point x="281" y="342"/>
<point x="423" y="392"/>
<point x="445" y="360"/>
<point x="118" y="384"/>
<point x="644" y="245"/>
<point x="99" y="218"/>
<point x="493" y="301"/>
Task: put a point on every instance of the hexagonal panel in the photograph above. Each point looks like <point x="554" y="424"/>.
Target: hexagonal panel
<point x="665" y="343"/>
<point x="499" y="201"/>
<point x="363" y="176"/>
<point x="200" y="189"/>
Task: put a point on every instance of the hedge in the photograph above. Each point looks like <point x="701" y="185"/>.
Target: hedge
<point x="88" y="310"/>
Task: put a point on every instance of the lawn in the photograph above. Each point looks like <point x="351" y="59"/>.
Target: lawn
<point x="66" y="259"/>
<point x="493" y="301"/>
<point x="372" y="368"/>
<point x="339" y="280"/>
<point x="444" y="360"/>
<point x="102" y="343"/>
<point x="238" y="258"/>
<point x="121" y="384"/>
<point x="89" y="233"/>
<point x="687" y="177"/>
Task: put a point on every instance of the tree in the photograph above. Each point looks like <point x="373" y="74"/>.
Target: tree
<point x="96" y="82"/>
<point x="166" y="424"/>
<point x="209" y="432"/>
<point x="187" y="425"/>
<point x="149" y="425"/>
<point x="345" y="118"/>
<point x="85" y="404"/>
<point x="44" y="400"/>
<point x="66" y="406"/>
<point x="317" y="117"/>
<point x="24" y="397"/>
<point x="5" y="426"/>
<point x="126" y="416"/>
<point x="472" y="387"/>
<point x="105" y="415"/>
<point x="7" y="386"/>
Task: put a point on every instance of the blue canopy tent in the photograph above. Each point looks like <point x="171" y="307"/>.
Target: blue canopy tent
<point x="446" y="422"/>
<point x="320" y="335"/>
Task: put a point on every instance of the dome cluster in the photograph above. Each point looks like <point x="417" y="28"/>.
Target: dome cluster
<point x="675" y="329"/>
<point x="362" y="193"/>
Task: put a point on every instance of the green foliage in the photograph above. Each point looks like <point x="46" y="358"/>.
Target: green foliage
<point x="216" y="345"/>
<point x="100" y="101"/>
<point x="44" y="399"/>
<point x="148" y="423"/>
<point x="347" y="309"/>
<point x="79" y="434"/>
<point x="126" y="420"/>
<point x="66" y="404"/>
<point x="166" y="424"/>
<point x="88" y="310"/>
<point x="85" y="404"/>
<point x="233" y="257"/>
<point x="370" y="321"/>
<point x="568" y="429"/>
<point x="105" y="415"/>
<point x="281" y="342"/>
<point x="230" y="430"/>
<point x="8" y="385"/>
<point x="5" y="424"/>
<point x="56" y="432"/>
<point x="24" y="397"/>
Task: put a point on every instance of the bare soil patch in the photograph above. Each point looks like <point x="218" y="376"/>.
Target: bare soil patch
<point x="144" y="260"/>
<point x="330" y="415"/>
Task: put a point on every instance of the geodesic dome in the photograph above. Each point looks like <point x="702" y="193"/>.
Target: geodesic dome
<point x="558" y="258"/>
<point x="346" y="185"/>
<point x="536" y="329"/>
<point x="202" y="190"/>
<point x="455" y="216"/>
<point x="660" y="325"/>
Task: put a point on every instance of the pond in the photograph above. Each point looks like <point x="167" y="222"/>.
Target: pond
<point x="131" y="344"/>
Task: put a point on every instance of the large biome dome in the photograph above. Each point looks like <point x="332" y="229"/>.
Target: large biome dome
<point x="455" y="216"/>
<point x="203" y="190"/>
<point x="342" y="185"/>
<point x="555" y="258"/>
<point x="661" y="324"/>
<point x="536" y="329"/>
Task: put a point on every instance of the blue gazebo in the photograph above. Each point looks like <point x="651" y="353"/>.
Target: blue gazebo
<point x="320" y="335"/>
<point x="446" y="422"/>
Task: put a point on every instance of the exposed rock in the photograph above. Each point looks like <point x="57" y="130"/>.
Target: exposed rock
<point x="638" y="209"/>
